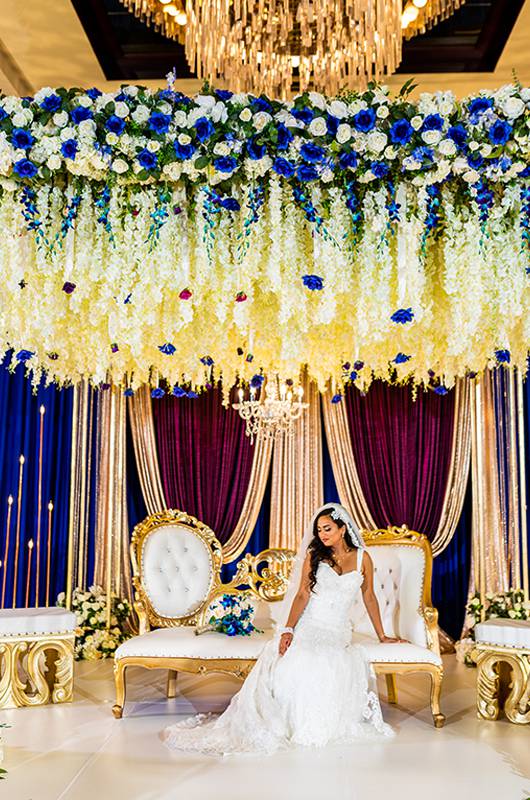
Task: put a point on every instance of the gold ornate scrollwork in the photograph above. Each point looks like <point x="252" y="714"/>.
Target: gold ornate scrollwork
<point x="393" y="532"/>
<point x="430" y="616"/>
<point x="517" y="702"/>
<point x="25" y="680"/>
<point x="266" y="574"/>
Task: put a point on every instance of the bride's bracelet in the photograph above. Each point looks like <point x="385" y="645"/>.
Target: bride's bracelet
<point x="286" y="630"/>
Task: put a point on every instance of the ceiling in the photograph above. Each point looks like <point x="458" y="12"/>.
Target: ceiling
<point x="97" y="42"/>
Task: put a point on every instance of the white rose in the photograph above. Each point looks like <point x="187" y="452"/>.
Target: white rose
<point x="382" y="112"/>
<point x="184" y="138"/>
<point x="338" y="108"/>
<point x="431" y="137"/>
<point x="140" y="114"/>
<point x="179" y="118"/>
<point x="416" y="122"/>
<point x="86" y="127"/>
<point x="245" y="115"/>
<point x="205" y="101"/>
<point x="85" y="101"/>
<point x="327" y="175"/>
<point x="239" y="99"/>
<point x="131" y="91"/>
<point x="446" y="106"/>
<point x="60" y="119"/>
<point x="164" y="108"/>
<point x="317" y="100"/>
<point x="513" y="107"/>
<point x="525" y="95"/>
<point x="474" y="145"/>
<point x="22" y="118"/>
<point x="485" y="150"/>
<point x="194" y="115"/>
<point x="318" y="127"/>
<point x="112" y="138"/>
<point x="153" y="146"/>
<point x="343" y="133"/>
<point x="121" y="109"/>
<point x="67" y="133"/>
<point x="54" y="162"/>
<point x="222" y="149"/>
<point x="471" y="176"/>
<point x="390" y="152"/>
<point x="447" y="147"/>
<point x="260" y="119"/>
<point x="43" y="93"/>
<point x="219" y="112"/>
<point x="11" y="104"/>
<point x="376" y="141"/>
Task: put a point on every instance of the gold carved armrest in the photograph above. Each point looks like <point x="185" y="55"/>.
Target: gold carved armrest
<point x="430" y="615"/>
<point x="266" y="574"/>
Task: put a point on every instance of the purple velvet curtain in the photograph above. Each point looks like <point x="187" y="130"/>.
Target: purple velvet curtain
<point x="402" y="450"/>
<point x="205" y="458"/>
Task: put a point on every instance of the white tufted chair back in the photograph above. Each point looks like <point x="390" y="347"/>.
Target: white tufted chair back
<point x="399" y="574"/>
<point x="176" y="570"/>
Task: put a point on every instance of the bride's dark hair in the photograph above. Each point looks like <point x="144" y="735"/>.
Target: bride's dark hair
<point x="317" y="549"/>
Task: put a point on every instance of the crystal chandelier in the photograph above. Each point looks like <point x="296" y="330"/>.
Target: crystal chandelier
<point x="165" y="16"/>
<point x="271" y="409"/>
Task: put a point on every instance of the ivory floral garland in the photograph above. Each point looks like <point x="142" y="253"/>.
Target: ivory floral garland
<point x="150" y="235"/>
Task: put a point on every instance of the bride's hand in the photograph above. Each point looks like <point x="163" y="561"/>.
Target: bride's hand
<point x="285" y="642"/>
<point x="393" y="640"/>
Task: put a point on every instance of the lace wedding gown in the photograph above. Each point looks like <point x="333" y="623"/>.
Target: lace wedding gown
<point x="321" y="690"/>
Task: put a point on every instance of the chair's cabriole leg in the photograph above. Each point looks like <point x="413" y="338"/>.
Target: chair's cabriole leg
<point x="119" y="679"/>
<point x="391" y="688"/>
<point x="436" y="688"/>
<point x="171" y="690"/>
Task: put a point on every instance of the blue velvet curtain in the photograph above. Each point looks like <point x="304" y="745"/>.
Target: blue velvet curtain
<point x="19" y="435"/>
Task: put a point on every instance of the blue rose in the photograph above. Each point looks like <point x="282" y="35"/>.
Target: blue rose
<point x="401" y="132"/>
<point x="178" y="392"/>
<point x="402" y="316"/>
<point x="475" y="161"/>
<point x="207" y="361"/>
<point x="231" y="204"/>
<point x="158" y="122"/>
<point x="192" y="395"/>
<point x="433" y="122"/>
<point x="115" y="124"/>
<point x="168" y="349"/>
<point x="305" y="115"/>
<point x="157" y="393"/>
<point x="479" y="105"/>
<point x="283" y="167"/>
<point x="458" y="134"/>
<point x="183" y="151"/>
<point x="255" y="151"/>
<point x="503" y="356"/>
<point x="364" y="120"/>
<point x="51" y="103"/>
<point x="353" y="375"/>
<point x="285" y="137"/>
<point x="24" y="355"/>
<point x="128" y="392"/>
<point x="22" y="139"/>
<point x="94" y="93"/>
<point x="348" y="160"/>
<point x="379" y="169"/>
<point x="204" y="128"/>
<point x="25" y="168"/>
<point x="260" y="104"/>
<point x="69" y="148"/>
<point x="332" y="124"/>
<point x="337" y="398"/>
<point x="313" y="282"/>
<point x="500" y="132"/>
<point x="223" y="94"/>
<point x="3" y="114"/>
<point x="312" y="152"/>
<point x="441" y="390"/>
<point x="225" y="164"/>
<point x="401" y="358"/>
<point x="306" y="173"/>
<point x="257" y="381"/>
<point x="147" y="160"/>
<point x="80" y="114"/>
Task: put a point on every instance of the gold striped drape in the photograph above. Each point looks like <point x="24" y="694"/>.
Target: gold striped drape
<point x="343" y="463"/>
<point x="144" y="442"/>
<point x="112" y="568"/>
<point x="500" y="543"/>
<point x="297" y="484"/>
<point x="455" y="490"/>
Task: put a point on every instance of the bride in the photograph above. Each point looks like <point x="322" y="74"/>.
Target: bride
<point x="310" y="685"/>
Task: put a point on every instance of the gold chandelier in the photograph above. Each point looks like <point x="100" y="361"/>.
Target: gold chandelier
<point x="271" y="409"/>
<point x="283" y="46"/>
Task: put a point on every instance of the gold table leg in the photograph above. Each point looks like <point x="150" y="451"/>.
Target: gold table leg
<point x="517" y="703"/>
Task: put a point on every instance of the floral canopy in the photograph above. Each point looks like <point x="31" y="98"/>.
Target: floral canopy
<point x="150" y="235"/>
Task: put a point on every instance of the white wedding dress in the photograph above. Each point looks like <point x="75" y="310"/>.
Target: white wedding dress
<point x="321" y="690"/>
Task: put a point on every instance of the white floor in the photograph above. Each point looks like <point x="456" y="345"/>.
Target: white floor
<point x="78" y="751"/>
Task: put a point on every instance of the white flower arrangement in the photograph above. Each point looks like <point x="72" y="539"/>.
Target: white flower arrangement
<point x="93" y="640"/>
<point x="231" y="614"/>
<point x="503" y="605"/>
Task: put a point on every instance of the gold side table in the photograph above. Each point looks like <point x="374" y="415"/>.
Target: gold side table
<point x="502" y="642"/>
<point x="37" y="656"/>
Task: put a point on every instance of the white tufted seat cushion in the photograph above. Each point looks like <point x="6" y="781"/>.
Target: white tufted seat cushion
<point x="32" y="621"/>
<point x="177" y="571"/>
<point x="504" y="632"/>
<point x="400" y="652"/>
<point x="184" y="643"/>
<point x="399" y="572"/>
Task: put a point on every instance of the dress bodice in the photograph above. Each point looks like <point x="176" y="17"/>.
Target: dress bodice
<point x="330" y="604"/>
